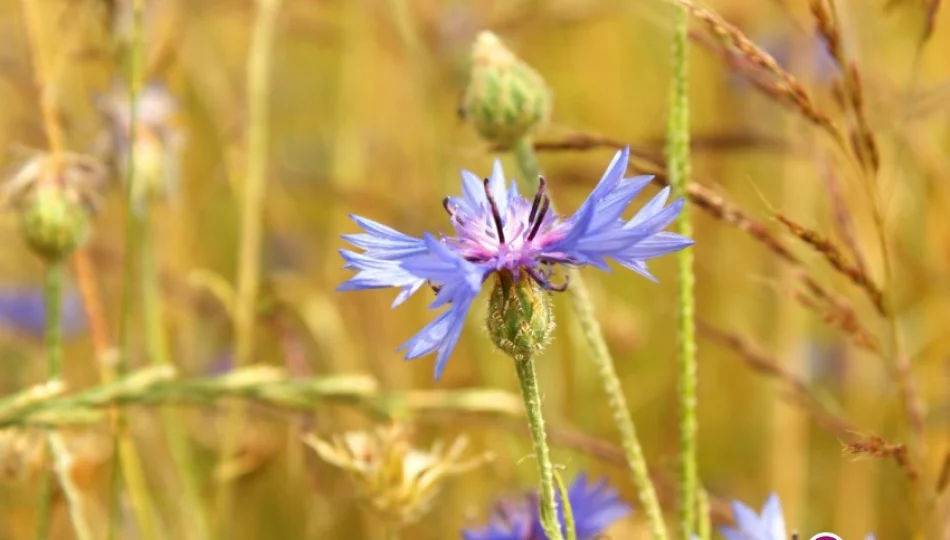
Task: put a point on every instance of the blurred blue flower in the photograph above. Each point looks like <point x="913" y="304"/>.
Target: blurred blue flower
<point x="23" y="310"/>
<point x="769" y="525"/>
<point x="497" y="230"/>
<point x="594" y="506"/>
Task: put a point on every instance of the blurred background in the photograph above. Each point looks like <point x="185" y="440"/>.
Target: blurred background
<point x="364" y="119"/>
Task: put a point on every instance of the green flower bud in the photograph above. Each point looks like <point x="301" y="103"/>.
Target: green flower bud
<point x="520" y="320"/>
<point x="56" y="195"/>
<point x="54" y="222"/>
<point x="506" y="98"/>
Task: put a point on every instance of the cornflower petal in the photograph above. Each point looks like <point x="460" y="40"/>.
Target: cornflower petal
<point x="384" y="242"/>
<point x="612" y="175"/>
<point x="473" y="193"/>
<point x="749" y="525"/>
<point x="498" y="188"/>
<point x="772" y="519"/>
<point x="460" y="282"/>
<point x="595" y="507"/>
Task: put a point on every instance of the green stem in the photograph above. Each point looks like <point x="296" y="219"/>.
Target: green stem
<point x="569" y="525"/>
<point x="157" y="347"/>
<point x="600" y="354"/>
<point x="532" y="405"/>
<point x="704" y="525"/>
<point x="678" y="173"/>
<point x="54" y="324"/>
<point x="52" y="295"/>
<point x="252" y="212"/>
<point x="129" y="462"/>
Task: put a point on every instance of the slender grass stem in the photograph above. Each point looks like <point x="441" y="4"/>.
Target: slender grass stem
<point x="129" y="460"/>
<point x="704" y="524"/>
<point x="52" y="294"/>
<point x="42" y="75"/>
<point x="570" y="528"/>
<point x="678" y="172"/>
<point x="600" y="355"/>
<point x="74" y="496"/>
<point x="252" y="210"/>
<point x="158" y="354"/>
<point x="532" y="405"/>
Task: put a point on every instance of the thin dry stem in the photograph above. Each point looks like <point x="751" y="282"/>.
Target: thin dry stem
<point x="832" y="309"/>
<point x="841" y="317"/>
<point x="801" y="393"/>
<point x="84" y="274"/>
<point x="877" y="447"/>
<point x="833" y="255"/>
<point x="843" y="221"/>
<point x="42" y="75"/>
<point x="759" y="67"/>
<point x="861" y="137"/>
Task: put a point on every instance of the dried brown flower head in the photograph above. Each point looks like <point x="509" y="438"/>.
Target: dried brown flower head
<point x="394" y="478"/>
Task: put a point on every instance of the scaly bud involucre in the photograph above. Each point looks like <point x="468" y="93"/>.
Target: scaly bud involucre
<point x="520" y="320"/>
<point x="53" y="222"/>
<point x="55" y="195"/>
<point x="506" y="99"/>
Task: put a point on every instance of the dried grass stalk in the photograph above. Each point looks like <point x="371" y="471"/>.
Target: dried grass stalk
<point x="833" y="255"/>
<point x="861" y="137"/>
<point x="877" y="447"/>
<point x="759" y="67"/>
<point x="800" y="393"/>
<point x="843" y="221"/>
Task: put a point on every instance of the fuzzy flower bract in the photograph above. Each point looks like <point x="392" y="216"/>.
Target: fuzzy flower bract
<point x="497" y="230"/>
<point x="594" y="507"/>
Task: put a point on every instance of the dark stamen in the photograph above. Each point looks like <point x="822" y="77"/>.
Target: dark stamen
<point x="537" y="200"/>
<point x="494" y="212"/>
<point x="447" y="205"/>
<point x="539" y="218"/>
<point x="435" y="288"/>
<point x="547" y="285"/>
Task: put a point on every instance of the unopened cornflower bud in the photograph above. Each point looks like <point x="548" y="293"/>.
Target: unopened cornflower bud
<point x="520" y="320"/>
<point x="395" y="479"/>
<point x="506" y="98"/>
<point x="56" y="195"/>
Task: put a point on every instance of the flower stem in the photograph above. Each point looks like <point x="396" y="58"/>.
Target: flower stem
<point x="600" y="354"/>
<point x="129" y="461"/>
<point x="532" y="405"/>
<point x="569" y="525"/>
<point x="678" y="173"/>
<point x="52" y="294"/>
<point x="158" y="354"/>
<point x="252" y="211"/>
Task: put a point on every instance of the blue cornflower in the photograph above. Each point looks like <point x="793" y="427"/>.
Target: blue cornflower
<point x="770" y="525"/>
<point x="499" y="231"/>
<point x="594" y="506"/>
<point x="23" y="310"/>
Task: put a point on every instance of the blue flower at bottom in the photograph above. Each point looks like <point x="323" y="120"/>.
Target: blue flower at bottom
<point x="767" y="525"/>
<point x="594" y="506"/>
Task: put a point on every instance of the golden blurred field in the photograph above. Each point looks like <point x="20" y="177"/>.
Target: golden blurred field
<point x="363" y="119"/>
